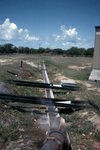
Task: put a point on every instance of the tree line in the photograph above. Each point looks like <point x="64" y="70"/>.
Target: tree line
<point x="73" y="51"/>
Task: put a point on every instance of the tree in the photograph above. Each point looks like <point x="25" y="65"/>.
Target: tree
<point x="41" y="50"/>
<point x="21" y="49"/>
<point x="15" y="49"/>
<point x="89" y="52"/>
<point x="47" y="50"/>
<point x="8" y="48"/>
<point x="26" y="50"/>
<point x="58" y="51"/>
<point x="2" y="49"/>
<point x="33" y="51"/>
<point x="74" y="51"/>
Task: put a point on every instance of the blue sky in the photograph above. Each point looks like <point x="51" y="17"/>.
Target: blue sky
<point x="49" y="23"/>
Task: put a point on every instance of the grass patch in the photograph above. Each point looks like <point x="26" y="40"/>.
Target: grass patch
<point x="9" y="133"/>
<point x="82" y="76"/>
<point x="97" y="135"/>
<point x="81" y="131"/>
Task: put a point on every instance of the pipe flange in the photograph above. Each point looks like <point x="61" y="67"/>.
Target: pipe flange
<point x="56" y="140"/>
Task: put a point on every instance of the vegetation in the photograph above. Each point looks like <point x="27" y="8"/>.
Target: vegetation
<point x="18" y="121"/>
<point x="74" y="51"/>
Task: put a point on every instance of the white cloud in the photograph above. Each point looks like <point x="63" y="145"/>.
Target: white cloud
<point x="31" y="38"/>
<point x="66" y="43"/>
<point x="70" y="32"/>
<point x="57" y="37"/>
<point x="20" y="31"/>
<point x="68" y="37"/>
<point x="10" y="32"/>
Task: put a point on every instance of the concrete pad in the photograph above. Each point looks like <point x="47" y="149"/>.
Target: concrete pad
<point x="95" y="75"/>
<point x="68" y="83"/>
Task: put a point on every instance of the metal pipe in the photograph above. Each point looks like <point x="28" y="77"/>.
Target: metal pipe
<point x="56" y="140"/>
<point x="41" y="85"/>
<point x="46" y="101"/>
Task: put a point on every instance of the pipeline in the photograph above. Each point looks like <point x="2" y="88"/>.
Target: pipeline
<point x="57" y="138"/>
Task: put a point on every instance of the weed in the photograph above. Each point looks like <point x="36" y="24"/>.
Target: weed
<point x="25" y="122"/>
<point x="10" y="132"/>
<point x="66" y="117"/>
<point x="14" y="112"/>
<point x="78" y="127"/>
<point x="97" y="135"/>
<point x="36" y="116"/>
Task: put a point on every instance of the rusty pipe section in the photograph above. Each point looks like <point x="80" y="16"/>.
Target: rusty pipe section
<point x="57" y="139"/>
